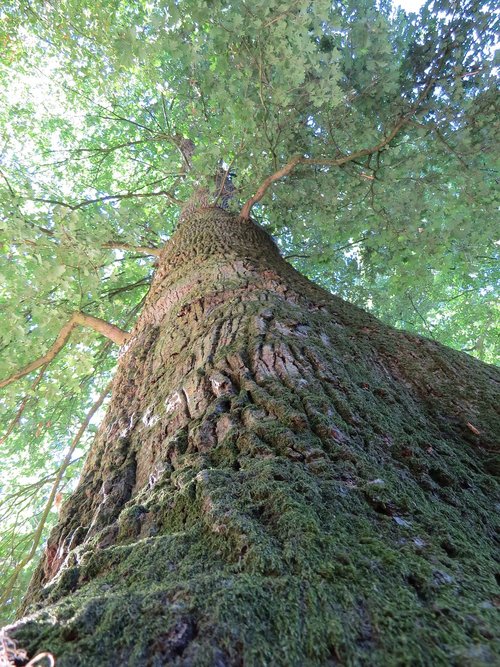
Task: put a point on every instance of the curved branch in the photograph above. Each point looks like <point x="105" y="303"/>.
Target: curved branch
<point x="108" y="330"/>
<point x="281" y="173"/>
<point x="336" y="162"/>
<point x="111" y="331"/>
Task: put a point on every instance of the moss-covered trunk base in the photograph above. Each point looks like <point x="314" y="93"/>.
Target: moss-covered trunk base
<point x="280" y="480"/>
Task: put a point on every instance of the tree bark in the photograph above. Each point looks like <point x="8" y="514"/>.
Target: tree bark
<point x="280" y="479"/>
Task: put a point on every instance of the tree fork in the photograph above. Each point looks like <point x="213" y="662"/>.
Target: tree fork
<point x="279" y="479"/>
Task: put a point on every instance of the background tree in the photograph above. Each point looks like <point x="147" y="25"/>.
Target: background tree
<point x="363" y="138"/>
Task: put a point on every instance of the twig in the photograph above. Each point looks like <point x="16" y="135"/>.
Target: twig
<point x="420" y="315"/>
<point x="66" y="461"/>
<point x="111" y="331"/>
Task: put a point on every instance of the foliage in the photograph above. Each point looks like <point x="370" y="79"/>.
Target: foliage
<point x="99" y="99"/>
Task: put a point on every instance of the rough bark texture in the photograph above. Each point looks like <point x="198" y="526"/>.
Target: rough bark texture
<point x="280" y="479"/>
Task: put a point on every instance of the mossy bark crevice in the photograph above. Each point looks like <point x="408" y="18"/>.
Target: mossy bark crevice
<point x="280" y="479"/>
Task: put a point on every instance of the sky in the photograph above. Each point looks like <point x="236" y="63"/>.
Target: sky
<point x="410" y="5"/>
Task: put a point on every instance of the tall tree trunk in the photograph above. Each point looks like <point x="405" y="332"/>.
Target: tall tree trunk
<point x="280" y="479"/>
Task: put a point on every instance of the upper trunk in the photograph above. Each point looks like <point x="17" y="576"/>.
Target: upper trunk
<point x="280" y="479"/>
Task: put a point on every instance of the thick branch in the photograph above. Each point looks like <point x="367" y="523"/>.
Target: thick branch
<point x="281" y="173"/>
<point x="111" y="331"/>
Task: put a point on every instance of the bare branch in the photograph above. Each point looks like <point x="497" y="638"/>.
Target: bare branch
<point x="53" y="492"/>
<point x="111" y="331"/>
<point x="132" y="248"/>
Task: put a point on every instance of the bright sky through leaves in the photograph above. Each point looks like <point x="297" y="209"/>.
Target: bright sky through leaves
<point x="410" y="5"/>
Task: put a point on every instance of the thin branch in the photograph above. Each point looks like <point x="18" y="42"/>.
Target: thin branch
<point x="132" y="248"/>
<point x="8" y="184"/>
<point x="22" y="407"/>
<point x="118" y="117"/>
<point x="349" y="245"/>
<point x="466" y="291"/>
<point x="116" y="147"/>
<point x="432" y="127"/>
<point x="110" y="294"/>
<point x="223" y="185"/>
<point x="343" y="247"/>
<point x="111" y="331"/>
<point x="53" y="492"/>
<point x="451" y="149"/>
<point x="105" y="198"/>
<point x="431" y="334"/>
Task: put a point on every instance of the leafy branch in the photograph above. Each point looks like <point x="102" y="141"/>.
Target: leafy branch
<point x="105" y="198"/>
<point x="405" y="119"/>
<point x="336" y="162"/>
<point x="22" y="407"/>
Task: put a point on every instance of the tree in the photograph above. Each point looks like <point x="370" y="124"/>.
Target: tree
<point x="280" y="478"/>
